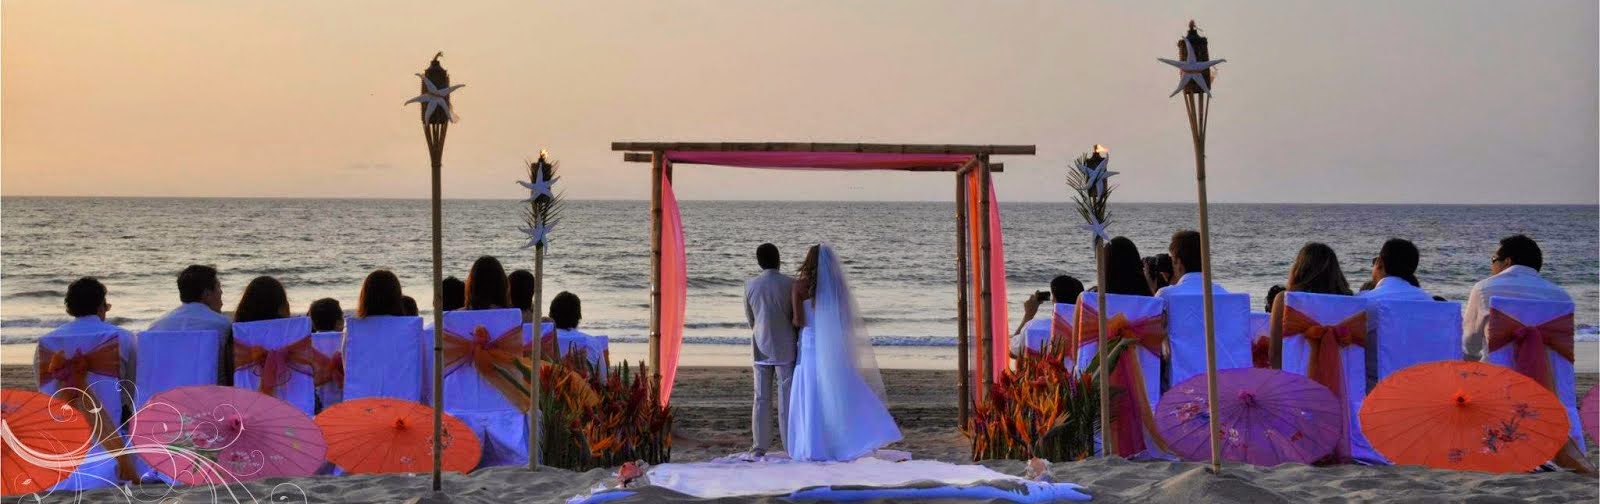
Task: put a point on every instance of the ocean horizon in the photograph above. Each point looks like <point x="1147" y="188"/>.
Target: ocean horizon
<point x="899" y="254"/>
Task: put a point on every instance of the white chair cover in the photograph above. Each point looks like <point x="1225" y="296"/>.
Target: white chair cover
<point x="1329" y="310"/>
<point x="1037" y="335"/>
<point x="329" y="371"/>
<point x="105" y="390"/>
<point x="1410" y="332"/>
<point x="501" y="426"/>
<point x="594" y="346"/>
<point x="1533" y="313"/>
<point x="291" y="335"/>
<point x="1186" y="327"/>
<point x="175" y="359"/>
<point x="1260" y="338"/>
<point x="383" y="357"/>
<point x="1134" y="308"/>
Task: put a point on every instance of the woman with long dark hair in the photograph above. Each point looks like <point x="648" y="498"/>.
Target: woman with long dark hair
<point x="1315" y="270"/>
<point x="380" y="295"/>
<point x="1125" y="269"/>
<point x="486" y="285"/>
<point x="263" y="299"/>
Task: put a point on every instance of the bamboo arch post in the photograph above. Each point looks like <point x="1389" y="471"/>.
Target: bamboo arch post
<point x="986" y="268"/>
<point x="657" y="167"/>
<point x="963" y="368"/>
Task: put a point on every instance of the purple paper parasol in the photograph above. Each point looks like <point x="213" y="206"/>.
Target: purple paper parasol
<point x="1266" y="417"/>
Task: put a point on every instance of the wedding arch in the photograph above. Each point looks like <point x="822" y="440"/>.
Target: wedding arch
<point x="980" y="254"/>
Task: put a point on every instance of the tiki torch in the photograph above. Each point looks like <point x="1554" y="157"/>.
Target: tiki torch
<point x="1089" y="181"/>
<point x="1196" y="75"/>
<point x="436" y="119"/>
<point x="541" y="215"/>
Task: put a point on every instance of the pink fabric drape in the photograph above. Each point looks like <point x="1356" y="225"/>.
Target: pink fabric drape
<point x="997" y="287"/>
<point x="819" y="160"/>
<point x="674" y="284"/>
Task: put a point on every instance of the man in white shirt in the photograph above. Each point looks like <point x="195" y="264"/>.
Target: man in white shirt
<point x="1034" y="331"/>
<point x="774" y="344"/>
<point x="1394" y="273"/>
<point x="1185" y="251"/>
<point x="1515" y="267"/>
<point x="86" y="303"/>
<point x="201" y="294"/>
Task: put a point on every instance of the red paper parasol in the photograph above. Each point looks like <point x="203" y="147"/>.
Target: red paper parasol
<point x="380" y="435"/>
<point x="1589" y="409"/>
<point x="207" y="434"/>
<point x="1466" y="416"/>
<point x="44" y="439"/>
<point x="1265" y="417"/>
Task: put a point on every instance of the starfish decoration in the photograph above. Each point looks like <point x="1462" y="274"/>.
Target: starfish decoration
<point x="539" y="186"/>
<point x="1193" y="71"/>
<point x="1096" y="176"/>
<point x="539" y="234"/>
<point x="1096" y="227"/>
<point x="435" y="98"/>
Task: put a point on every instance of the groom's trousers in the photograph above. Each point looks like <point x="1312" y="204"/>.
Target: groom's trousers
<point x="761" y="413"/>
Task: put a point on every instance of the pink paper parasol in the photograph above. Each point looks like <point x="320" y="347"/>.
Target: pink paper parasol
<point x="1589" y="408"/>
<point x="206" y="434"/>
<point x="1266" y="417"/>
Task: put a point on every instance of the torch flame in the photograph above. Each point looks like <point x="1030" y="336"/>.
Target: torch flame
<point x="543" y="153"/>
<point x="1101" y="150"/>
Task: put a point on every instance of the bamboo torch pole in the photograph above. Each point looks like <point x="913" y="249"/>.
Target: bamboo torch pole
<point x="963" y="371"/>
<point x="1106" y="448"/>
<point x="536" y="361"/>
<point x="436" y="118"/>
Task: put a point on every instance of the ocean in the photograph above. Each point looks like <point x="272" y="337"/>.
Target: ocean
<point x="900" y="256"/>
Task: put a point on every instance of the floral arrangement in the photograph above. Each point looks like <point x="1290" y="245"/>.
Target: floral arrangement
<point x="593" y="419"/>
<point x="1043" y="409"/>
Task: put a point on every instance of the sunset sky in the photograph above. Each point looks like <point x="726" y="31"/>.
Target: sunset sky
<point x="1332" y="102"/>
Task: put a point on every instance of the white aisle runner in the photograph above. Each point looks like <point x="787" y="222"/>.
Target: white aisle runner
<point x="777" y="475"/>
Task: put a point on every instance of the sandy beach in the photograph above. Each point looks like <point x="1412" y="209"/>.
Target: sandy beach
<point x="713" y="420"/>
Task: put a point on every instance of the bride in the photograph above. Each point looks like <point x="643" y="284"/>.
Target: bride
<point x="837" y="409"/>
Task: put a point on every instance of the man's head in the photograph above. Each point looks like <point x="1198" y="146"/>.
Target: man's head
<point x="455" y="293"/>
<point x="1517" y="250"/>
<point x="1065" y="289"/>
<point x="199" y="284"/>
<point x="767" y="256"/>
<point x="566" y="310"/>
<point x="87" y="296"/>
<point x="1185" y="251"/>
<point x="1398" y="258"/>
<point x="326" y="315"/>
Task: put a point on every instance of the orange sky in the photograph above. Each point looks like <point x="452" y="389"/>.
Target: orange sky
<point x="1440" y="101"/>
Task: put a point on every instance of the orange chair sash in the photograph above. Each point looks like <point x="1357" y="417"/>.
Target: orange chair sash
<point x="275" y="365"/>
<point x="1061" y="333"/>
<point x="494" y="358"/>
<point x="1325" y="365"/>
<point x="1133" y="411"/>
<point x="330" y="369"/>
<point x="1531" y="343"/>
<point x="70" y="376"/>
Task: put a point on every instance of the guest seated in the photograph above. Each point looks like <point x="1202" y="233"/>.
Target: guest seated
<point x="520" y="290"/>
<point x="201" y="294"/>
<point x="486" y="285"/>
<point x="1064" y="291"/>
<point x="326" y="315"/>
<point x="1394" y="273"/>
<point x="1315" y="270"/>
<point x="1158" y="271"/>
<point x="86" y="303"/>
<point x="1124" y="269"/>
<point x="263" y="299"/>
<point x="453" y="293"/>
<point x="1184" y="250"/>
<point x="566" y="311"/>
<point x="1514" y="270"/>
<point x="408" y="306"/>
<point x="380" y="295"/>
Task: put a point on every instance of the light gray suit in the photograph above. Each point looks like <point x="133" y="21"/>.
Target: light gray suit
<point x="768" y="309"/>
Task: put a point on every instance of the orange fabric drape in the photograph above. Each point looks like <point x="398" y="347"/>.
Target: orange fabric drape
<point x="997" y="323"/>
<point x="1061" y="333"/>
<point x="274" y="365"/>
<point x="330" y="369"/>
<point x="1133" y="411"/>
<point x="1531" y="358"/>
<point x="494" y="358"/>
<point x="1325" y="365"/>
<point x="69" y="375"/>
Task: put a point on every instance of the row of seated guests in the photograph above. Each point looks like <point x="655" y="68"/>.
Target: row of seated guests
<point x="1514" y="271"/>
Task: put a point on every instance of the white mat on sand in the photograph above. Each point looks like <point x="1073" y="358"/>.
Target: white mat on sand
<point x="778" y="475"/>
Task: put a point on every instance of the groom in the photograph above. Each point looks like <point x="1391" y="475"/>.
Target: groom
<point x="768" y="309"/>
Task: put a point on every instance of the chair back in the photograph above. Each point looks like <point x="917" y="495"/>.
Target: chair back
<point x="1143" y="320"/>
<point x="1039" y="336"/>
<point x="481" y="378"/>
<point x="1324" y="338"/>
<point x="85" y="369"/>
<point x="275" y="357"/>
<point x="1518" y="328"/>
<point x="173" y="359"/>
<point x="328" y="370"/>
<point x="594" y="347"/>
<point x="1409" y="332"/>
<point x="383" y="356"/>
<point x="1186" y="326"/>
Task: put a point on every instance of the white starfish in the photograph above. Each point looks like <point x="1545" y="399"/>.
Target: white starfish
<point x="1098" y="175"/>
<point x="1097" y="228"/>
<point x="1193" y="71"/>
<point x="435" y="98"/>
<point x="539" y="234"/>
<point x="539" y="186"/>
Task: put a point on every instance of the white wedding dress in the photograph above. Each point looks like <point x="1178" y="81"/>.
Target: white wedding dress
<point x="837" y="410"/>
